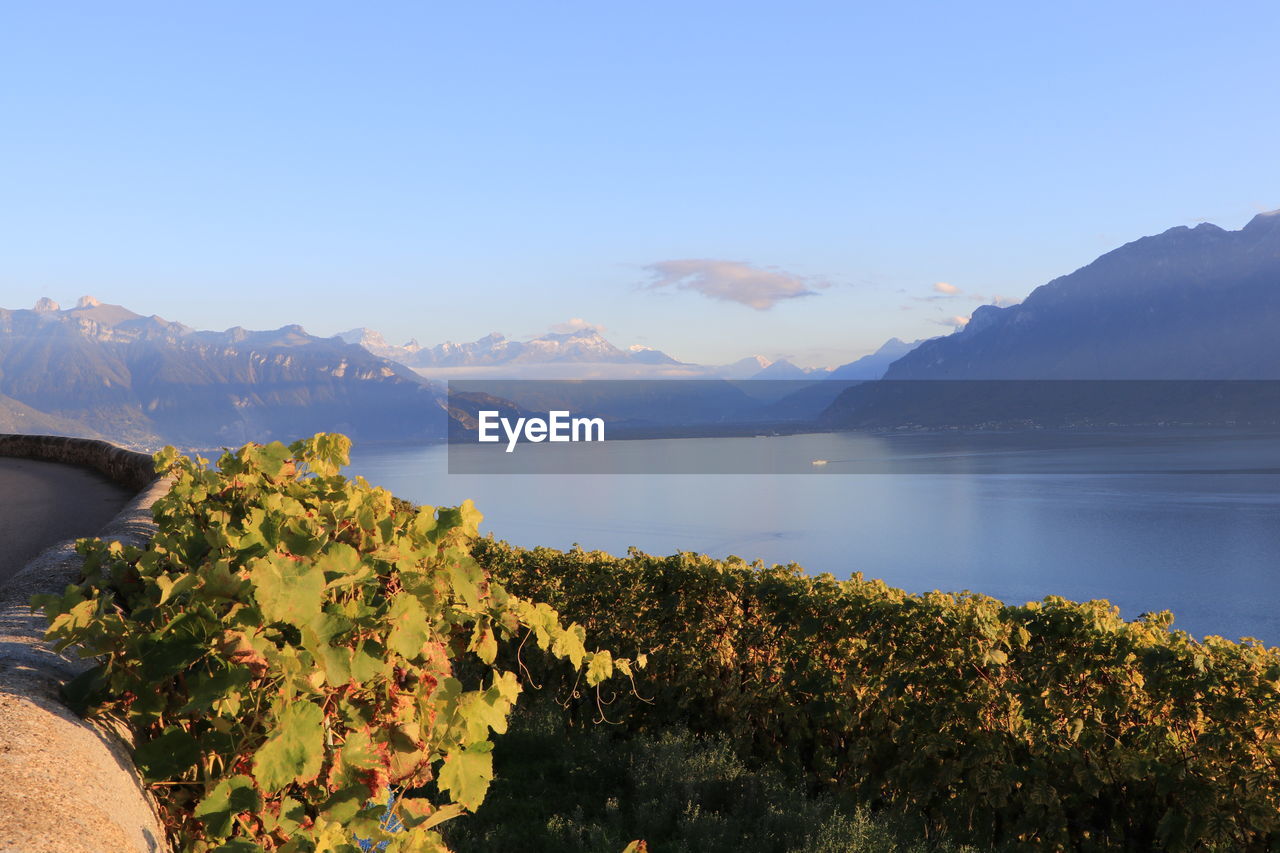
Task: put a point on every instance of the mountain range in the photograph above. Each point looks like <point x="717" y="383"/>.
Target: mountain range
<point x="586" y="354"/>
<point x="102" y="370"/>
<point x="1190" y="303"/>
<point x="1183" y="326"/>
<point x="1196" y="303"/>
<point x="581" y="346"/>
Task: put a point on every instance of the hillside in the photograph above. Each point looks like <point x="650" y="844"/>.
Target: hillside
<point x="1191" y="303"/>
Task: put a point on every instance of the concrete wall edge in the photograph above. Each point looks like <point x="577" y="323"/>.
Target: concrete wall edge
<point x="67" y="785"/>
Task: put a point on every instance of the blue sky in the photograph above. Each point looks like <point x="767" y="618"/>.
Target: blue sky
<point x="443" y="171"/>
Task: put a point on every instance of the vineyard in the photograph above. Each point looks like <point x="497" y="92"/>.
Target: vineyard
<point x="307" y="664"/>
<point x="1051" y="726"/>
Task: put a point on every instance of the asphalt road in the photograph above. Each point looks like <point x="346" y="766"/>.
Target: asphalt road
<point x="45" y="502"/>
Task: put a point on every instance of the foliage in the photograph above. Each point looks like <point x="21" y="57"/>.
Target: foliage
<point x="1054" y="725"/>
<point x="291" y="650"/>
<point x="590" y="789"/>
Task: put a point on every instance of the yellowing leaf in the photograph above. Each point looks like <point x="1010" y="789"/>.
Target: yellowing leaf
<point x="466" y="774"/>
<point x="287" y="590"/>
<point x="409" y="628"/>
<point x="600" y="668"/>
<point x="295" y="750"/>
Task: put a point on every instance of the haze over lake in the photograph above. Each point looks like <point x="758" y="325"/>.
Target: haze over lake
<point x="1183" y="520"/>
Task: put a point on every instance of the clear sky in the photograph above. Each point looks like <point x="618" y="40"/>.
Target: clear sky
<point x="711" y="179"/>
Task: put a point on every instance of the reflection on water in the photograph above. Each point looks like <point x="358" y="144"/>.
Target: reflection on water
<point x="1185" y="522"/>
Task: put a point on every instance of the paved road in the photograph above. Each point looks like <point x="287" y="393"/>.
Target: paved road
<point x="45" y="502"/>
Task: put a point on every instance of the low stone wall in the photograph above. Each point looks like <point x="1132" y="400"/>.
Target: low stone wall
<point x="67" y="785"/>
<point x="129" y="468"/>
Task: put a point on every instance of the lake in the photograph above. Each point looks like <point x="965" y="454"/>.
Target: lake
<point x="1184" y="520"/>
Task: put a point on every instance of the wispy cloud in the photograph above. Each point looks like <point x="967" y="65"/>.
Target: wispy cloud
<point x="956" y="322"/>
<point x="941" y="290"/>
<point x="760" y="288"/>
<point x="576" y="324"/>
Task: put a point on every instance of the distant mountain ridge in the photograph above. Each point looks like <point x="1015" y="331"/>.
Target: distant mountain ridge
<point x="1180" y="327"/>
<point x="587" y="347"/>
<point x="583" y="346"/>
<point x="875" y="365"/>
<point x="103" y="370"/>
<point x="1190" y="303"/>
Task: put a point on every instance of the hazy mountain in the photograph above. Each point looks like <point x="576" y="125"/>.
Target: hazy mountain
<point x="582" y="346"/>
<point x="1164" y="313"/>
<point x="102" y="369"/>
<point x="873" y="366"/>
<point x="784" y="369"/>
<point x="1191" y="303"/>
<point x="743" y="368"/>
<point x="375" y="343"/>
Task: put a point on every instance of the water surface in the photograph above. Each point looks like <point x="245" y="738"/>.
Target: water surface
<point x="1186" y="521"/>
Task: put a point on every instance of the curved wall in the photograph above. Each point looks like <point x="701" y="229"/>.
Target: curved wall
<point x="67" y="785"/>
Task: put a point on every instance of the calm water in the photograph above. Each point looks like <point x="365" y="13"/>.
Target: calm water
<point x="1186" y="522"/>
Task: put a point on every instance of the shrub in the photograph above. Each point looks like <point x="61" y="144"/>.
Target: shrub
<point x="1054" y="725"/>
<point x="290" y="651"/>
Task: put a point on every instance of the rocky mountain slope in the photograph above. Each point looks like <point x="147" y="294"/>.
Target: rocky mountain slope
<point x="103" y="370"/>
<point x="1191" y="303"/>
<point x="1180" y="327"/>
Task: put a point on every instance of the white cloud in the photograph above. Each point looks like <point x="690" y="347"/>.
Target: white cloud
<point x="956" y="322"/>
<point x="944" y="287"/>
<point x="733" y="281"/>
<point x="1004" y="301"/>
<point x="576" y="324"/>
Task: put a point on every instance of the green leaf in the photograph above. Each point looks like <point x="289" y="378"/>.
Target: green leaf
<point x="368" y="663"/>
<point x="356" y="755"/>
<point x="220" y="581"/>
<point x="466" y="774"/>
<point x="338" y="562"/>
<point x="292" y="814"/>
<point x="206" y="688"/>
<point x="168" y="756"/>
<point x="85" y="689"/>
<point x="466" y="576"/>
<point x="484" y="643"/>
<point x="165" y="655"/>
<point x="409" y="628"/>
<point x="273" y="457"/>
<point x="344" y="804"/>
<point x="228" y="798"/>
<point x="295" y="750"/>
<point x="288" y="590"/>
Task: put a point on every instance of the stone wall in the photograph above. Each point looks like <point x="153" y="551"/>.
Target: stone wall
<point x="129" y="468"/>
<point x="67" y="785"/>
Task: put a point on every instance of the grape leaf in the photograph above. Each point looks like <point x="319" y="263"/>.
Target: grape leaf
<point x="295" y="751"/>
